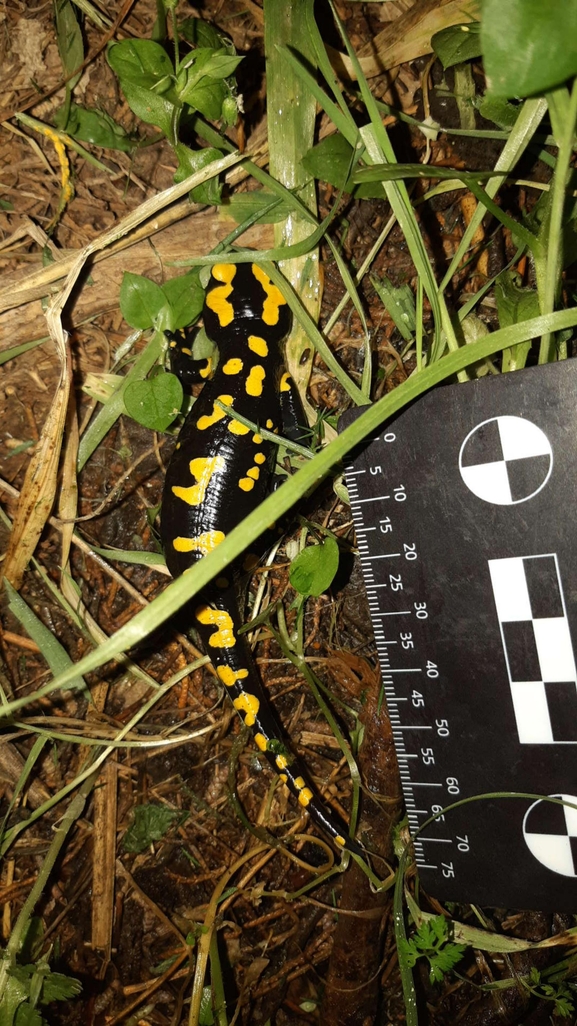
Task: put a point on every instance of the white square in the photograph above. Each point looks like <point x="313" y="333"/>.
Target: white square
<point x="510" y="589"/>
<point x="554" y="648"/>
<point x="531" y="712"/>
<point x="489" y="481"/>
<point x="521" y="438"/>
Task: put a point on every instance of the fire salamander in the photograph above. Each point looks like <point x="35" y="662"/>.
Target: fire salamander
<point x="220" y="471"/>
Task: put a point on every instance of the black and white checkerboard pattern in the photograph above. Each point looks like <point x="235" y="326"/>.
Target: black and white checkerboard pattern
<point x="550" y="833"/>
<point x="506" y="460"/>
<point x="537" y="646"/>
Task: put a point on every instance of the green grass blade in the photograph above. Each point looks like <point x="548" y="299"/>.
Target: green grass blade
<point x="530" y="117"/>
<point x="53" y="652"/>
<point x="554" y="241"/>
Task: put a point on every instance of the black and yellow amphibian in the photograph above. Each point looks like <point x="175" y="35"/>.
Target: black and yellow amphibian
<point x="220" y="471"/>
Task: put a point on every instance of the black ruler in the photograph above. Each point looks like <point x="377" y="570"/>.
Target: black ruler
<point x="464" y="508"/>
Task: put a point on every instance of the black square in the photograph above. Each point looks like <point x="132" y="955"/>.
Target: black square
<point x="546" y="818"/>
<point x="562" y="705"/>
<point x="521" y="649"/>
<point x="543" y="586"/>
<point x="483" y="446"/>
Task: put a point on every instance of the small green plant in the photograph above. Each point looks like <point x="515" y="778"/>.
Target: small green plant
<point x="151" y="823"/>
<point x="559" y="992"/>
<point x="170" y="93"/>
<point x="433" y="942"/>
<point x="31" y="986"/>
<point x="313" y="570"/>
<point x="156" y="401"/>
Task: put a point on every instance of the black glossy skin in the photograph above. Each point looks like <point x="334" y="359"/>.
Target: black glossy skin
<point x="219" y="472"/>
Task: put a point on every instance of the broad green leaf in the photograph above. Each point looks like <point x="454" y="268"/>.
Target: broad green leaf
<point x="141" y="300"/>
<point x="214" y="65"/>
<point x="208" y="97"/>
<point x="399" y="304"/>
<point x="528" y="45"/>
<point x="98" y="128"/>
<point x="200" y="81"/>
<point x="185" y="297"/>
<point x="69" y="37"/>
<point x="190" y="161"/>
<point x="515" y="304"/>
<point x="331" y="161"/>
<point x="498" y="109"/>
<point x="141" y="62"/>
<point x="151" y="107"/>
<point x="202" y="33"/>
<point x="313" y="570"/>
<point x="151" y="823"/>
<point x="260" y="204"/>
<point x="155" y="402"/>
<point x="146" y="78"/>
<point x="223" y="65"/>
<point x="457" y="43"/>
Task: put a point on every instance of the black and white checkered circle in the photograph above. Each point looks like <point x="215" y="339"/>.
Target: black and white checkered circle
<point x="506" y="460"/>
<point x="550" y="833"/>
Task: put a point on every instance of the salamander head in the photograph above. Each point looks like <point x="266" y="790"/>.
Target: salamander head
<point x="241" y="300"/>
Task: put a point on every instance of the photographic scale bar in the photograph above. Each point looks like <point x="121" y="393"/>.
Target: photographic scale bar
<point x="399" y="730"/>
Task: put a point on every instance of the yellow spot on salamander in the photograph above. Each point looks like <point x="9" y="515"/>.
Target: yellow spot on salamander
<point x="204" y="543"/>
<point x="223" y="636"/>
<point x="269" y="424"/>
<point x="260" y="741"/>
<point x="229" y="676"/>
<point x="258" y="345"/>
<point x="305" y="794"/>
<point x="186" y="350"/>
<point x="217" y="299"/>
<point x="236" y="428"/>
<point x="202" y="469"/>
<point x="259" y="457"/>
<point x="340" y="840"/>
<point x="217" y="414"/>
<point x="285" y="383"/>
<point x="283" y="777"/>
<point x="253" y="383"/>
<point x="274" y="297"/>
<point x="257" y="439"/>
<point x="254" y="472"/>
<point x="232" y="366"/>
<point x="207" y="371"/>
<point x="246" y="483"/>
<point x="248" y="704"/>
<point x="281" y="761"/>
